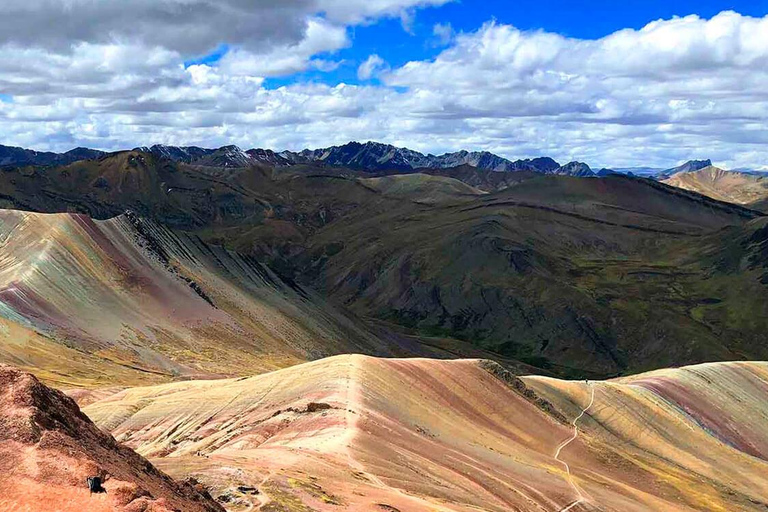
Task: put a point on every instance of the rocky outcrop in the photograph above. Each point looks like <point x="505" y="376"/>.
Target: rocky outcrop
<point x="49" y="448"/>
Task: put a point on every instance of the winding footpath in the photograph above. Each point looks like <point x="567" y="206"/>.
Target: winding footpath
<point x="580" y="497"/>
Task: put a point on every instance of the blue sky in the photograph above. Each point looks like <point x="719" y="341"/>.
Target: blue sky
<point x="580" y="19"/>
<point x="583" y="20"/>
<point x="650" y="83"/>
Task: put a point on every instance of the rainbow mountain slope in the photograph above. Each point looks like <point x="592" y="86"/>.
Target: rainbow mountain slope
<point x="126" y="301"/>
<point x="360" y="433"/>
<point x="695" y="436"/>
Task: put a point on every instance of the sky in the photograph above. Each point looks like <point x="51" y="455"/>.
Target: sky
<point x="613" y="84"/>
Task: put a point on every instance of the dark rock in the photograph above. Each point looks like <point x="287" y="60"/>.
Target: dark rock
<point x="317" y="406"/>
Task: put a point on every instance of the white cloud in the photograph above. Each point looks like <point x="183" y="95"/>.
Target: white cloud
<point x="321" y="37"/>
<point x="673" y="90"/>
<point x="703" y="77"/>
<point x="358" y="11"/>
<point x="372" y="66"/>
<point x="443" y="32"/>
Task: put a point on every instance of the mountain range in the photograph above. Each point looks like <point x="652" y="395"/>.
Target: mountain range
<point x="13" y="156"/>
<point x="370" y="156"/>
<point x="661" y="173"/>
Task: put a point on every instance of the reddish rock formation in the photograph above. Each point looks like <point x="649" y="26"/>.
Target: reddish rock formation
<point x="48" y="448"/>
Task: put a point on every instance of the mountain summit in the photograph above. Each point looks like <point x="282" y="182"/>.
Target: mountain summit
<point x="575" y="169"/>
<point x="689" y="166"/>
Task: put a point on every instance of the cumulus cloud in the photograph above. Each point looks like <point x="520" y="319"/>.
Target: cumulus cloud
<point x="675" y="89"/>
<point x="186" y="26"/>
<point x="372" y="66"/>
<point x="683" y="86"/>
<point x="320" y="37"/>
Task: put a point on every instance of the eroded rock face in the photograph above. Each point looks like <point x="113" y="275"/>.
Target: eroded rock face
<point x="48" y="448"/>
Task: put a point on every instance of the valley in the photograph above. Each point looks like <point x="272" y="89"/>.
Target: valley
<point x="573" y="276"/>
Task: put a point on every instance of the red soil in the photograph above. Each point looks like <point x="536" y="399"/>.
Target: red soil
<point x="48" y="448"/>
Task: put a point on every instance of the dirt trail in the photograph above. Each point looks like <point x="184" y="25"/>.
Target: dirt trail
<point x="580" y="496"/>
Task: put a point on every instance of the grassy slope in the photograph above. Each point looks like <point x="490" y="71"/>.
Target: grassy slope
<point x="578" y="275"/>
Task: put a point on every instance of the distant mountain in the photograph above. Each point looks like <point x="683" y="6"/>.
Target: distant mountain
<point x="226" y="156"/>
<point x="368" y="156"/>
<point x="659" y="173"/>
<point x="638" y="171"/>
<point x="479" y="159"/>
<point x="375" y="156"/>
<point x="579" y="169"/>
<point x="13" y="156"/>
<point x="747" y="170"/>
<point x="542" y="163"/>
<point x="731" y="186"/>
<point x="178" y="154"/>
<point x="689" y="166"/>
<point x="371" y="156"/>
<point x="268" y="157"/>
